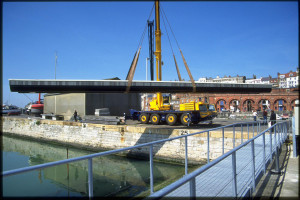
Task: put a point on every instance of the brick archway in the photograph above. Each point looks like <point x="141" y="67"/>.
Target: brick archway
<point x="235" y="104"/>
<point x="264" y="103"/>
<point x="249" y="105"/>
<point x="280" y="104"/>
<point x="292" y="104"/>
<point x="221" y="104"/>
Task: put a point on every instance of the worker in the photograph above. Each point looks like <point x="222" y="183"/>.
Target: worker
<point x="75" y="116"/>
<point x="265" y="116"/>
<point x="254" y="115"/>
<point x="273" y="118"/>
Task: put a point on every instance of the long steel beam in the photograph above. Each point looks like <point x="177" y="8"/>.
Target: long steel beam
<point x="119" y="86"/>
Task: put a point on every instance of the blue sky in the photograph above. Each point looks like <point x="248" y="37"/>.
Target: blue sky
<point x="97" y="40"/>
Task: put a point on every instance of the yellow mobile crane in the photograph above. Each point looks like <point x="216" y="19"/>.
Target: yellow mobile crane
<point x="160" y="108"/>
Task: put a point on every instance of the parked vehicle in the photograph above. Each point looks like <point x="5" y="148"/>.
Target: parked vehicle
<point x="10" y="110"/>
<point x="35" y="108"/>
<point x="192" y="112"/>
<point x="285" y="116"/>
<point x="278" y="117"/>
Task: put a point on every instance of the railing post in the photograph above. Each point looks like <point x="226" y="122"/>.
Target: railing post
<point x="186" y="155"/>
<point x="279" y="134"/>
<point x="223" y="138"/>
<point x="253" y="129"/>
<point x="294" y="136"/>
<point x="283" y="131"/>
<point x="277" y="170"/>
<point x="287" y="130"/>
<point x="90" y="177"/>
<point x="193" y="188"/>
<point x="151" y="168"/>
<point x="242" y="133"/>
<point x="234" y="184"/>
<point x="253" y="165"/>
<point x="271" y="150"/>
<point x="233" y="136"/>
<point x="248" y="130"/>
<point x="257" y="126"/>
<point x="207" y="146"/>
<point x="264" y="151"/>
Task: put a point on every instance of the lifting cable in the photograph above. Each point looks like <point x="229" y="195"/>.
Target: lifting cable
<point x="133" y="65"/>
<point x="184" y="61"/>
<point x="177" y="69"/>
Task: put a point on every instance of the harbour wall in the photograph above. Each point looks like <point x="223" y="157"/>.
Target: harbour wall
<point x="99" y="137"/>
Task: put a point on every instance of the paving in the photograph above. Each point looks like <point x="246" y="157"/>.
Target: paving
<point x="217" y="181"/>
<point x="283" y="185"/>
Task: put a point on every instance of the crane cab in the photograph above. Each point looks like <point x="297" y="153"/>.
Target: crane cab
<point x="161" y="102"/>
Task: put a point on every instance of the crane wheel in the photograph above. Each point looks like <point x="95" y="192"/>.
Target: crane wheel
<point x="155" y="119"/>
<point x="195" y="122"/>
<point x="144" y="118"/>
<point x="184" y="119"/>
<point x="171" y="119"/>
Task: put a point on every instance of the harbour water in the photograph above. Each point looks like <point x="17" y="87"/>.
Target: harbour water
<point x="113" y="175"/>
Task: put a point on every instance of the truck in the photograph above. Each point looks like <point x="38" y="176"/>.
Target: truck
<point x="188" y="113"/>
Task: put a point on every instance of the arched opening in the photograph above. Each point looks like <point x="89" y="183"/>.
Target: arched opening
<point x="264" y="104"/>
<point x="280" y="105"/>
<point x="234" y="105"/>
<point x="221" y="105"/>
<point x="248" y="105"/>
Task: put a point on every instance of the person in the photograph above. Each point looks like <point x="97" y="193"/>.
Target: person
<point x="273" y="118"/>
<point x="75" y="116"/>
<point x="265" y="115"/>
<point x="254" y="115"/>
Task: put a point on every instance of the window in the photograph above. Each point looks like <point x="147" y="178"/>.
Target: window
<point x="211" y="107"/>
<point x="203" y="108"/>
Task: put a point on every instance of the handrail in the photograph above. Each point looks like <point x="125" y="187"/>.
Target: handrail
<point x="91" y="156"/>
<point x="50" y="164"/>
<point x="192" y="175"/>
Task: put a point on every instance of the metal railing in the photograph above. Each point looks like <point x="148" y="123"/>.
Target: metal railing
<point x="249" y="168"/>
<point x="188" y="177"/>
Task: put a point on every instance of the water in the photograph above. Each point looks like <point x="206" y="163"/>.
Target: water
<point x="113" y="175"/>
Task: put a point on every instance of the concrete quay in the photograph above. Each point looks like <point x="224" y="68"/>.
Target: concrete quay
<point x="284" y="185"/>
<point x="99" y="137"/>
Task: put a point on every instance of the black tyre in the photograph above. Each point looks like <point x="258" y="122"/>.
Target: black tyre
<point x="144" y="118"/>
<point x="195" y="122"/>
<point x="171" y="119"/>
<point x="184" y="119"/>
<point x="155" y="119"/>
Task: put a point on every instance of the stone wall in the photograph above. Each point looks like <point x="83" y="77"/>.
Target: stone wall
<point x="107" y="137"/>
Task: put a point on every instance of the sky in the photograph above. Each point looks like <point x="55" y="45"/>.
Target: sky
<point x="98" y="40"/>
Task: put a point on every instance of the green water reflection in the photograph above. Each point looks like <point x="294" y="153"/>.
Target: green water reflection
<point x="113" y="175"/>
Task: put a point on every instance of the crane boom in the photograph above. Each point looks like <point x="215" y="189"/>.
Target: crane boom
<point x="160" y="107"/>
<point x="157" y="104"/>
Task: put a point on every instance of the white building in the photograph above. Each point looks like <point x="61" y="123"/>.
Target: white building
<point x="225" y="79"/>
<point x="289" y="80"/>
<point x="292" y="81"/>
<point x="254" y="81"/>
